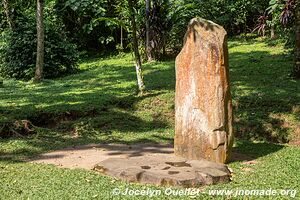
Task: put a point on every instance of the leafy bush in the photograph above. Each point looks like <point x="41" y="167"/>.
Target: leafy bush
<point x="88" y="33"/>
<point x="18" y="51"/>
<point x="169" y="19"/>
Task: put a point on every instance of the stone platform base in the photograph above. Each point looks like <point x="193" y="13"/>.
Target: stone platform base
<point x="165" y="169"/>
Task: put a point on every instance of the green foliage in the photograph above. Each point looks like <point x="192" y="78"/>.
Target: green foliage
<point x="18" y="51"/>
<point x="168" y="20"/>
<point x="179" y="16"/>
<point x="235" y="16"/>
<point x="93" y="25"/>
<point x="79" y="18"/>
<point x="159" y="27"/>
<point x="278" y="19"/>
<point x="3" y="22"/>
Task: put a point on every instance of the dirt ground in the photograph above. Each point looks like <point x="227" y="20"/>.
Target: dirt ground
<point x="87" y="156"/>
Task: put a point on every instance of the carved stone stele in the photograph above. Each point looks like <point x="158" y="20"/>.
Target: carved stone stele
<point x="203" y="126"/>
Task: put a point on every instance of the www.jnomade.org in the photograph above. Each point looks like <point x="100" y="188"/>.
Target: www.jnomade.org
<point x="197" y="192"/>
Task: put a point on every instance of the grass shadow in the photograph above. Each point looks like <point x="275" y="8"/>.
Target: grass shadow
<point x="244" y="150"/>
<point x="99" y="105"/>
<point x="265" y="99"/>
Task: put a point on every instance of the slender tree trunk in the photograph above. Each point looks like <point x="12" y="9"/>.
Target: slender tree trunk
<point x="138" y="63"/>
<point x="40" y="40"/>
<point x="296" y="69"/>
<point x="6" y="6"/>
<point x="164" y="44"/>
<point x="273" y="32"/>
<point x="122" y="38"/>
<point x="148" y="45"/>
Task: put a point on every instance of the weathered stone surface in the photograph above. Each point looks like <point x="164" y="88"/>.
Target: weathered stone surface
<point x="165" y="169"/>
<point x="203" y="100"/>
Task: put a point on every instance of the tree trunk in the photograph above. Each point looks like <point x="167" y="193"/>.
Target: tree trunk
<point x="273" y="32"/>
<point x="148" y="45"/>
<point x="164" y="44"/>
<point x="121" y="39"/>
<point x="6" y="6"/>
<point x="138" y="63"/>
<point x="40" y="40"/>
<point x="296" y="69"/>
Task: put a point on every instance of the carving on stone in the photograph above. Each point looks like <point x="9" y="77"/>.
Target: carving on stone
<point x="203" y="124"/>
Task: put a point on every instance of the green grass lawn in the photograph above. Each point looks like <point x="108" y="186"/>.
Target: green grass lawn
<point x="100" y="104"/>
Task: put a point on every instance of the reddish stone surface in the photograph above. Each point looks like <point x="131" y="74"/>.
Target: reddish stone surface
<point x="203" y="127"/>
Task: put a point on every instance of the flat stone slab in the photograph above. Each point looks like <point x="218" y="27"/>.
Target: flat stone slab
<point x="145" y="163"/>
<point x="165" y="169"/>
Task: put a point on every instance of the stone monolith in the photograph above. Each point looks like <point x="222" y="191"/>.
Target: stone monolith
<point x="203" y="126"/>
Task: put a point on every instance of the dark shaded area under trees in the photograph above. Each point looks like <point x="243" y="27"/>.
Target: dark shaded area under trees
<point x="74" y="26"/>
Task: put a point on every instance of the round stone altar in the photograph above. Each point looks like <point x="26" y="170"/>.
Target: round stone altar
<point x="165" y="169"/>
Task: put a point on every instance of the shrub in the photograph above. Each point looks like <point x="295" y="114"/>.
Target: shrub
<point x="18" y="51"/>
